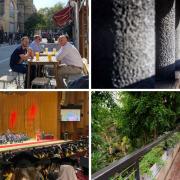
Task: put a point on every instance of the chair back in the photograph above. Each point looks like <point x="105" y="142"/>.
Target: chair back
<point x="85" y="66"/>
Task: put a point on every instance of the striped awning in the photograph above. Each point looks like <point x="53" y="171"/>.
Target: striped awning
<point x="63" y="17"/>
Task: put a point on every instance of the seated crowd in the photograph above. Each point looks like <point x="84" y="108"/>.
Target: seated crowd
<point x="62" y="162"/>
<point x="69" y="58"/>
<point x="33" y="169"/>
<point x="10" y="137"/>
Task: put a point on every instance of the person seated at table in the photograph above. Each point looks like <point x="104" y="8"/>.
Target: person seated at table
<point x="35" y="45"/>
<point x="70" y="60"/>
<point x="19" y="57"/>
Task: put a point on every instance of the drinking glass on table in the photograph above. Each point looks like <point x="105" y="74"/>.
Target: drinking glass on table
<point x="49" y="57"/>
<point x="46" y="50"/>
<point x="37" y="56"/>
<point x="54" y="51"/>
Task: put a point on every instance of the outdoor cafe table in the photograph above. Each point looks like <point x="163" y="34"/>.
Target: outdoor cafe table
<point x="43" y="60"/>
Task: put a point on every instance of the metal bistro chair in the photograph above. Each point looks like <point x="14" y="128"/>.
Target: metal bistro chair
<point x="49" y="73"/>
<point x="7" y="79"/>
<point x="71" y="78"/>
<point x="40" y="82"/>
<point x="19" y="82"/>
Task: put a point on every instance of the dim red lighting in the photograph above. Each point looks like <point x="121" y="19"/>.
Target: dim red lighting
<point x="32" y="112"/>
<point x="12" y="119"/>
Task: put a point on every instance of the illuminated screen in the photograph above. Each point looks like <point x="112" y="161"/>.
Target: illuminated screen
<point x="70" y="114"/>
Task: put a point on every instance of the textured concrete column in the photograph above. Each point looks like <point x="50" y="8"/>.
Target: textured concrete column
<point x="165" y="39"/>
<point x="123" y="43"/>
<point x="134" y="56"/>
<point x="102" y="43"/>
<point x="178" y="33"/>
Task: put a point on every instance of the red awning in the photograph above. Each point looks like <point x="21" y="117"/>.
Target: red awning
<point x="63" y="17"/>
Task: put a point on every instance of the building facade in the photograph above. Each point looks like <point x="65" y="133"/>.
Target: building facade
<point x="13" y="14"/>
<point x="8" y="15"/>
<point x="25" y="10"/>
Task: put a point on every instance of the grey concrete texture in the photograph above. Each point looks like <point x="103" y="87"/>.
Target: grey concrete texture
<point x="165" y="39"/>
<point x="123" y="41"/>
<point x="134" y="56"/>
<point x="177" y="30"/>
<point x="134" y="41"/>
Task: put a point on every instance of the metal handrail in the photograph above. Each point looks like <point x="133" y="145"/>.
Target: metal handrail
<point x="119" y="165"/>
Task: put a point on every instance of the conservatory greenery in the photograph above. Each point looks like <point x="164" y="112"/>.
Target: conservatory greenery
<point x="123" y="122"/>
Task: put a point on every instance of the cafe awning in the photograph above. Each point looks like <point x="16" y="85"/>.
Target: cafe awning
<point x="63" y="17"/>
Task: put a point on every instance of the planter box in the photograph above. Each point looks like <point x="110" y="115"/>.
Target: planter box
<point x="165" y="156"/>
<point x="168" y="162"/>
<point x="158" y="172"/>
<point x="154" y="170"/>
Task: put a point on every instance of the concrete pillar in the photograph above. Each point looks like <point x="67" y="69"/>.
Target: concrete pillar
<point x="102" y="43"/>
<point x="134" y="56"/>
<point x="178" y="34"/>
<point x="165" y="39"/>
<point x="123" y="43"/>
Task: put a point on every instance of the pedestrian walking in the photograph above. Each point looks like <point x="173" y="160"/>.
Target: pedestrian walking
<point x="1" y="35"/>
<point x="10" y="38"/>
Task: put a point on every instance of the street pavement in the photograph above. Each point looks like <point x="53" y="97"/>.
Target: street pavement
<point x="5" y="53"/>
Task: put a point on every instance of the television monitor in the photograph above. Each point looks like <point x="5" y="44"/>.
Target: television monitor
<point x="69" y="115"/>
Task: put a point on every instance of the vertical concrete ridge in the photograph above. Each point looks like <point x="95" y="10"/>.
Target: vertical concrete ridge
<point x="134" y="56"/>
<point x="165" y="39"/>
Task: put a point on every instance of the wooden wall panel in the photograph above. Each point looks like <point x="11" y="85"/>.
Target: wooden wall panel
<point x="47" y="118"/>
<point x="76" y="129"/>
<point x="45" y="104"/>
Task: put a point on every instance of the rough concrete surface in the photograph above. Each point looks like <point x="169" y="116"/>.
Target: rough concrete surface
<point x="134" y="56"/>
<point x="134" y="42"/>
<point x="177" y="30"/>
<point x="165" y="39"/>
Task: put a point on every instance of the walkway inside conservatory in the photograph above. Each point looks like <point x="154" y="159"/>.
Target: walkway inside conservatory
<point x="174" y="172"/>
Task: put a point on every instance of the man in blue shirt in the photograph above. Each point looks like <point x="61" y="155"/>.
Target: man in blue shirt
<point x="19" y="57"/>
<point x="35" y="45"/>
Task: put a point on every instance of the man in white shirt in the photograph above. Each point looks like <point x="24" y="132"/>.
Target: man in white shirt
<point x="70" y="60"/>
